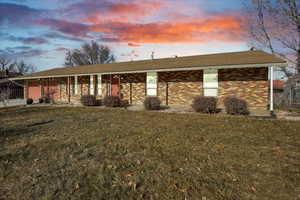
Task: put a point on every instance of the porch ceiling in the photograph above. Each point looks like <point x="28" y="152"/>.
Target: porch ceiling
<point x="222" y="60"/>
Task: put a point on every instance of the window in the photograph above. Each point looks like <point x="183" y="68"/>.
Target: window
<point x="151" y="84"/>
<point x="210" y="83"/>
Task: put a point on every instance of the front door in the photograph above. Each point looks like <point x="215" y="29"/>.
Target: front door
<point x="115" y="85"/>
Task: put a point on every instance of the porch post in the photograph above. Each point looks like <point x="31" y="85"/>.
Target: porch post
<point x="92" y="90"/>
<point x="41" y="87"/>
<point x="26" y="90"/>
<point x="99" y="84"/>
<point x="109" y="86"/>
<point x="271" y="89"/>
<point x="68" y="89"/>
<point x="76" y="85"/>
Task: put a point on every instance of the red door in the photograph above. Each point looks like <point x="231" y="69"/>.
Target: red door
<point x="34" y="90"/>
<point x="115" y="86"/>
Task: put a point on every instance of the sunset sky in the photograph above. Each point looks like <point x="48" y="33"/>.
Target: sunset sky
<point x="40" y="31"/>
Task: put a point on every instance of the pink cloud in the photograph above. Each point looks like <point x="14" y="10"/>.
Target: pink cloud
<point x="219" y="28"/>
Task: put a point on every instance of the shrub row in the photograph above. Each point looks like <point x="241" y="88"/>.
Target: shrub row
<point x="45" y="99"/>
<point x="108" y="101"/>
<point x="150" y="103"/>
<point x="233" y="105"/>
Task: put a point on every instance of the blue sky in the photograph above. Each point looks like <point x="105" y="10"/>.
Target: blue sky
<point x="40" y="32"/>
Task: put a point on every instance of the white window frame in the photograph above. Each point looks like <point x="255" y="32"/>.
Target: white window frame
<point x="210" y="82"/>
<point x="151" y="83"/>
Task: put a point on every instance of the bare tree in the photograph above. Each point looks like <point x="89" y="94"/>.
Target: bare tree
<point x="5" y="63"/>
<point x="89" y="54"/>
<point x="275" y="25"/>
<point x="16" y="66"/>
<point x="23" y="68"/>
<point x="69" y="60"/>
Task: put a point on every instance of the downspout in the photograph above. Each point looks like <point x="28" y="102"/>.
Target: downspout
<point x="271" y="90"/>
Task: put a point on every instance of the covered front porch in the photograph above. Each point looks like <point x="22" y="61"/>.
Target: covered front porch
<point x="69" y="89"/>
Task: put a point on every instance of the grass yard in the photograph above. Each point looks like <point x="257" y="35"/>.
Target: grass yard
<point x="91" y="153"/>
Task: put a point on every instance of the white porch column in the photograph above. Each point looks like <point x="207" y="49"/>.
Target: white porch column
<point x="92" y="90"/>
<point x="99" y="84"/>
<point x="271" y="89"/>
<point x="76" y="85"/>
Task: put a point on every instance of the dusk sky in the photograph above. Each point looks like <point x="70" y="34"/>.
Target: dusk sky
<point x="40" y="31"/>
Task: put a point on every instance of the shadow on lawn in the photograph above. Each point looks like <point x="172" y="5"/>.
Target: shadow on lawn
<point x="27" y="130"/>
<point x="23" y="111"/>
<point x="11" y="132"/>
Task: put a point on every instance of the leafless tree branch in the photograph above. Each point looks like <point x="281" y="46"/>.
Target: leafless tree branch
<point x="89" y="54"/>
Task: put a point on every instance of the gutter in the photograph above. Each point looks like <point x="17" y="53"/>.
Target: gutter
<point x="159" y="70"/>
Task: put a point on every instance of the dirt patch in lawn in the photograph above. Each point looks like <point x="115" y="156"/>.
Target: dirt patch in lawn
<point x="87" y="153"/>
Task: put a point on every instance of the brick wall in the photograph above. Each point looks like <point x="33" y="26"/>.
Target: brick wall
<point x="181" y="87"/>
<point x="249" y="84"/>
<point x="134" y="86"/>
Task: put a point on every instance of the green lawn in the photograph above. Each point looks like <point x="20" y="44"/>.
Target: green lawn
<point x="94" y="153"/>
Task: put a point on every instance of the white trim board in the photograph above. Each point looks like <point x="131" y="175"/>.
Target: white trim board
<point x="163" y="70"/>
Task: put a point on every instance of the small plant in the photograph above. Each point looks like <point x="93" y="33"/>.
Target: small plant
<point x="235" y="106"/>
<point x="29" y="101"/>
<point x="124" y="103"/>
<point x="205" y="104"/>
<point x="112" y="101"/>
<point x="88" y="100"/>
<point x="46" y="99"/>
<point x="41" y="100"/>
<point x="152" y="103"/>
<point x="98" y="102"/>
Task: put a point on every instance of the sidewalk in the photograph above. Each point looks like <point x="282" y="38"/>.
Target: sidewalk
<point x="13" y="102"/>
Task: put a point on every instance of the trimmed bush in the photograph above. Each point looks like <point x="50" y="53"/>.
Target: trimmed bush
<point x="46" y="99"/>
<point x="29" y="101"/>
<point x="235" y="106"/>
<point x="41" y="100"/>
<point x="205" y="104"/>
<point x="124" y="103"/>
<point x="152" y="103"/>
<point x="88" y="100"/>
<point x="112" y="101"/>
<point x="98" y="102"/>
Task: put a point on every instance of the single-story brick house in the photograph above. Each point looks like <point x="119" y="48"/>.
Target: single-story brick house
<point x="247" y="75"/>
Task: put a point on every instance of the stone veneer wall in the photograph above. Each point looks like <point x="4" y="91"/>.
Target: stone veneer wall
<point x="133" y="87"/>
<point x="250" y="84"/>
<point x="181" y="86"/>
